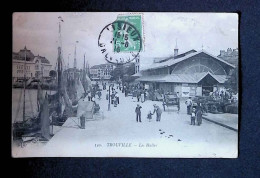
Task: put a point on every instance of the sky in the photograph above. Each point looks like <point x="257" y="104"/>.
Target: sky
<point x="39" y="33"/>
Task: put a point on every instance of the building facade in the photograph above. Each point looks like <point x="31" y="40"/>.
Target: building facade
<point x="137" y="65"/>
<point x="101" y="72"/>
<point x="194" y="73"/>
<point x="231" y="56"/>
<point x="33" y="66"/>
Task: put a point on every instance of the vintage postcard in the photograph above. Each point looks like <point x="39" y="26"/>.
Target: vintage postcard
<point x="121" y="84"/>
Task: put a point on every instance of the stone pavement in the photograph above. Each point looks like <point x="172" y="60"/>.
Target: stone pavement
<point x="227" y="120"/>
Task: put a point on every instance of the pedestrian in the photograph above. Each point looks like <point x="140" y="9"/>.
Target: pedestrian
<point x="89" y="96"/>
<point x="193" y="115"/>
<point x="93" y="100"/>
<point x="117" y="98"/>
<point x="82" y="122"/>
<point x="188" y="102"/>
<point x="142" y="97"/>
<point x="199" y="114"/>
<point x="99" y="94"/>
<point x="107" y="94"/>
<point x="158" y="111"/>
<point x="138" y="95"/>
<point x="138" y="113"/>
<point x="115" y="101"/>
<point x="126" y="92"/>
<point x="149" y="116"/>
<point x="112" y="97"/>
<point x="146" y="95"/>
<point x="124" y="88"/>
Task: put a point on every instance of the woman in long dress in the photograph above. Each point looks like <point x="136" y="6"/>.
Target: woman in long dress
<point x="199" y="114"/>
<point x="142" y="97"/>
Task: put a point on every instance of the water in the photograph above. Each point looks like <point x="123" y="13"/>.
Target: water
<point x="30" y="103"/>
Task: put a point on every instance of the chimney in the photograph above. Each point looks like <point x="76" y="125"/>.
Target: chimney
<point x="176" y="50"/>
<point x="222" y="52"/>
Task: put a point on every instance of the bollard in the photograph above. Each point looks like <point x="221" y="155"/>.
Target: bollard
<point x="82" y="122"/>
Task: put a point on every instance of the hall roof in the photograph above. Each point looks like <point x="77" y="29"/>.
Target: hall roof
<point x="181" y="78"/>
<point x="173" y="61"/>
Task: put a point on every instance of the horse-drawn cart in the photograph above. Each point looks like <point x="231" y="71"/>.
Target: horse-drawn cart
<point x="171" y="100"/>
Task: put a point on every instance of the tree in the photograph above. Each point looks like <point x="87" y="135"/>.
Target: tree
<point x="232" y="82"/>
<point x="129" y="69"/>
<point x="117" y="73"/>
<point x="123" y="70"/>
<point x="53" y="73"/>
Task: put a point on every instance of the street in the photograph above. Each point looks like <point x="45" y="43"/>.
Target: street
<point x="116" y="133"/>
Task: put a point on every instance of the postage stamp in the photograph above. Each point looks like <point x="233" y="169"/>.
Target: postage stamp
<point x="128" y="42"/>
<point x="120" y="42"/>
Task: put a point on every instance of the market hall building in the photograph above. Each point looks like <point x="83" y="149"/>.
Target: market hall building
<point x="193" y="73"/>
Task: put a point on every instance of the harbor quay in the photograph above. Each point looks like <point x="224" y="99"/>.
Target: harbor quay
<point x="116" y="129"/>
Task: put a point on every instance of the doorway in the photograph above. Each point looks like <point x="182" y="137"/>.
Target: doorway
<point x="206" y="90"/>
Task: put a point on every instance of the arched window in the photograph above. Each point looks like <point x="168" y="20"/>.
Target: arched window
<point x="199" y="64"/>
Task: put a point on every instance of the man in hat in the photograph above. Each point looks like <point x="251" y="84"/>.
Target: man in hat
<point x="158" y="111"/>
<point x="188" y="102"/>
<point x="138" y="113"/>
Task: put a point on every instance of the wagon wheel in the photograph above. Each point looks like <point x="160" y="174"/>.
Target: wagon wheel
<point x="213" y="108"/>
<point x="164" y="107"/>
<point x="22" y="144"/>
<point x="35" y="140"/>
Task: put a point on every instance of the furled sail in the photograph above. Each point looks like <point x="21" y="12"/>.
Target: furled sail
<point x="40" y="97"/>
<point x="86" y="82"/>
<point x="80" y="89"/>
<point x="45" y="121"/>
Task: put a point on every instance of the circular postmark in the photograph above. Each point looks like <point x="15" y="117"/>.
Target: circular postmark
<point x="120" y="42"/>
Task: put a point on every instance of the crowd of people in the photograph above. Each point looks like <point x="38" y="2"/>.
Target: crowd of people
<point x="223" y="95"/>
<point x="194" y="112"/>
<point x="143" y="94"/>
<point x="156" y="110"/>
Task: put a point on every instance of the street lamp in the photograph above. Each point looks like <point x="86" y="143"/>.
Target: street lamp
<point x="109" y="96"/>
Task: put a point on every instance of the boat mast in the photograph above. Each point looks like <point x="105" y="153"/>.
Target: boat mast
<point x="59" y="70"/>
<point x="84" y="76"/>
<point x="24" y="84"/>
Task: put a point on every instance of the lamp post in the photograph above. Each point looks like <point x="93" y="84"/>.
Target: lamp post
<point x="109" y="96"/>
<point x="68" y="66"/>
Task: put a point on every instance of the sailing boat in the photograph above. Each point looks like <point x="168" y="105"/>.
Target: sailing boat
<point x="74" y="87"/>
<point x="34" y="126"/>
<point x="57" y="102"/>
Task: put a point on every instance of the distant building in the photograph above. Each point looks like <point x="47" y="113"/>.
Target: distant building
<point x="137" y="64"/>
<point x="230" y="56"/>
<point x="35" y="66"/>
<point x="193" y="73"/>
<point x="101" y="71"/>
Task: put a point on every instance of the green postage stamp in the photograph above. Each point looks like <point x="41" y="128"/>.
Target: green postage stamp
<point x="128" y="40"/>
